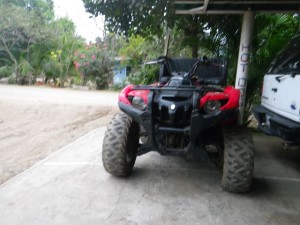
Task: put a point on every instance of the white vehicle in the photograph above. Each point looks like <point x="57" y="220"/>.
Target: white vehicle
<point x="279" y="112"/>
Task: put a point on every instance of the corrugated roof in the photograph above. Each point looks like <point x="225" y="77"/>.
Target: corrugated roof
<point x="235" y="7"/>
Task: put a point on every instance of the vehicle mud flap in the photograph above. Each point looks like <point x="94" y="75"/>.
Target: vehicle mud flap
<point x="195" y="130"/>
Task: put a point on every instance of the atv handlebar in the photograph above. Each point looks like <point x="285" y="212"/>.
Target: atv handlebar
<point x="158" y="61"/>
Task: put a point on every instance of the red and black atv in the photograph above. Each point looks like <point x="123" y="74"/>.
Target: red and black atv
<point x="189" y="111"/>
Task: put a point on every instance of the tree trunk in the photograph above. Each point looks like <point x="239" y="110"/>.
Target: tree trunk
<point x="11" y="56"/>
<point x="84" y="80"/>
<point x="16" y="71"/>
<point x="195" y="50"/>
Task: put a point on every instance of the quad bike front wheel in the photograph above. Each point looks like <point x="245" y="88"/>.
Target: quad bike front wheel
<point x="120" y="145"/>
<point x="238" y="161"/>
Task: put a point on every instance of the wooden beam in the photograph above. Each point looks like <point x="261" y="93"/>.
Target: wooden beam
<point x="205" y="5"/>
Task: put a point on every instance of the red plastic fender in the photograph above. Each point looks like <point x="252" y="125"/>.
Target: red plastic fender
<point x="230" y="94"/>
<point x="234" y="98"/>
<point x="127" y="91"/>
<point x="140" y="93"/>
<point x="123" y="96"/>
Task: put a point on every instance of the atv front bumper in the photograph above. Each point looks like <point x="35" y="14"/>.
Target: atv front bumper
<point x="273" y="124"/>
<point x="199" y="122"/>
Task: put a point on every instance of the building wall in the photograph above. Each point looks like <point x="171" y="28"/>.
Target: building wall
<point x="119" y="75"/>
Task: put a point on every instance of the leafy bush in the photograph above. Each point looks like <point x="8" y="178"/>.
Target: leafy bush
<point x="101" y="81"/>
<point x="5" y="71"/>
<point x="12" y="79"/>
<point x="146" y="75"/>
<point x="120" y="86"/>
<point x="95" y="65"/>
<point x="51" y="69"/>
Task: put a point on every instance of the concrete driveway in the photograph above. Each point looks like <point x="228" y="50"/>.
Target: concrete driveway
<point x="72" y="188"/>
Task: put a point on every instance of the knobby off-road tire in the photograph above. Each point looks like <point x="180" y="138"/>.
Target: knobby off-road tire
<point x="238" y="161"/>
<point x="120" y="145"/>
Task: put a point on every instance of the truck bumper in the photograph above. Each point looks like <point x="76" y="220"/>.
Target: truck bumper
<point x="275" y="125"/>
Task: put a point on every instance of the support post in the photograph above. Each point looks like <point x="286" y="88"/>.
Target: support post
<point x="244" y="60"/>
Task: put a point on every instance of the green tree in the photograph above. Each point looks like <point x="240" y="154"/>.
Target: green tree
<point x="22" y="25"/>
<point x="62" y="49"/>
<point x="134" y="51"/>
<point x="42" y="9"/>
<point x="132" y="17"/>
<point x="148" y="18"/>
<point x="18" y="31"/>
<point x="112" y="43"/>
<point x="28" y="35"/>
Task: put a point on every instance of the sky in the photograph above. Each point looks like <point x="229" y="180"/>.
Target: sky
<point x="89" y="28"/>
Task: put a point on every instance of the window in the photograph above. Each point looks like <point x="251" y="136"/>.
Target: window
<point x="287" y="65"/>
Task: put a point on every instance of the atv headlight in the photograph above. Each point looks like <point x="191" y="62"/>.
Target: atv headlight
<point x="212" y="106"/>
<point x="138" y="102"/>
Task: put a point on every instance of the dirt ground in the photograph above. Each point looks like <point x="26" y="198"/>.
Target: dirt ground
<point x="35" y="122"/>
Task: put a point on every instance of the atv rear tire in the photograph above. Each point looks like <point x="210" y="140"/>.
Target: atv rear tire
<point x="238" y="161"/>
<point x="120" y="145"/>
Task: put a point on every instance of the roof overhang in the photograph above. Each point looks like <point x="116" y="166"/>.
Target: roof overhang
<point x="192" y="7"/>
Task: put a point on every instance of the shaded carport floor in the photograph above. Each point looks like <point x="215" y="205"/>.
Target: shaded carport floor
<point x="71" y="187"/>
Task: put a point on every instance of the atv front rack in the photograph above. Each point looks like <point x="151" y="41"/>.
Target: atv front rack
<point x="179" y="88"/>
